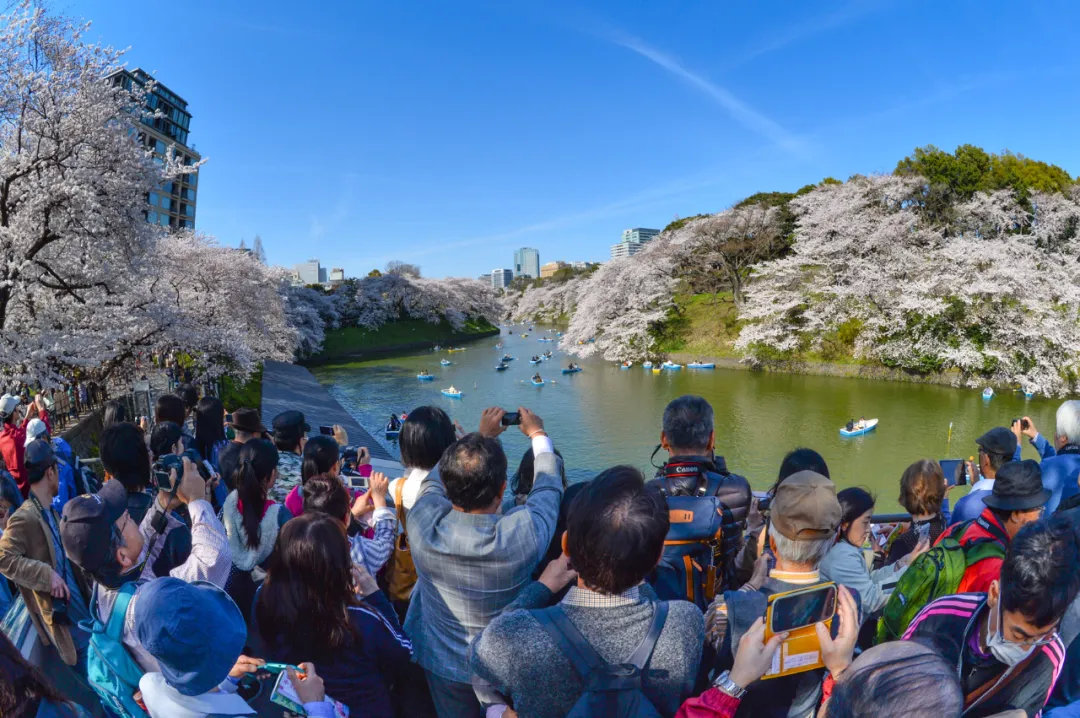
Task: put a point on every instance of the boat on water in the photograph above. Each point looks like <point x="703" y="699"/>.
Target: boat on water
<point x="545" y="339"/>
<point x="455" y="349"/>
<point x="507" y="357"/>
<point x="671" y="366"/>
<point x="646" y="365"/>
<point x="537" y="382"/>
<point x="452" y="393"/>
<point x="546" y="355"/>
<point x="499" y="345"/>
<point x="988" y="393"/>
<point x="701" y="365"/>
<point x="535" y="360"/>
<point x="859" y="428"/>
<point x="656" y="370"/>
<point x="572" y="369"/>
<point x="626" y="365"/>
<point x="1029" y="394"/>
<point x="502" y="367"/>
<point x="425" y="377"/>
<point x="392" y="433"/>
<point x="445" y="362"/>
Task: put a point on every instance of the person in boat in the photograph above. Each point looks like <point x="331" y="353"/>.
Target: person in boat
<point x="452" y="390"/>
<point x="423" y="372"/>
<point x="536" y="377"/>
<point x="394" y="424"/>
<point x="850" y="425"/>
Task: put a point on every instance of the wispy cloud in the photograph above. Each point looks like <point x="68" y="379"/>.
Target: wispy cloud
<point x="739" y="110"/>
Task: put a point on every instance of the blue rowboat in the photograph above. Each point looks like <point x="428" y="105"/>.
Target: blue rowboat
<point x="507" y="357"/>
<point x="425" y="377"/>
<point x="701" y="365"/>
<point x="988" y="393"/>
<point x="647" y="365"/>
<point x="501" y="367"/>
<point x="868" y="426"/>
<point x="626" y="366"/>
<point x="452" y="394"/>
<point x="575" y="370"/>
<point x="535" y="361"/>
<point x="1029" y="394"/>
<point x="671" y="366"/>
<point x="537" y="383"/>
<point x="392" y="433"/>
<point x="445" y="362"/>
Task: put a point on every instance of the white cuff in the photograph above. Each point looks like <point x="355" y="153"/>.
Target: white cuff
<point x="495" y="711"/>
<point x="542" y="445"/>
<point x="383" y="514"/>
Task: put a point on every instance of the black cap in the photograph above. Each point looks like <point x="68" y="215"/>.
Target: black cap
<point x="39" y="453"/>
<point x="87" y="525"/>
<point x="290" y="422"/>
<point x="247" y="420"/>
<point x="1018" y="487"/>
<point x="998" y="440"/>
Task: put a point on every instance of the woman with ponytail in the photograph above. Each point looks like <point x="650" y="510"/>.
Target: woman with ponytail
<point x="252" y="520"/>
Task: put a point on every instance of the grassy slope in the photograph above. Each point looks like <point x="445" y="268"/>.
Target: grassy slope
<point x="351" y="341"/>
<point x="235" y="395"/>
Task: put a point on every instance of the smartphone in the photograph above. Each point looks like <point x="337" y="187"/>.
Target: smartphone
<point x="511" y="418"/>
<point x="326" y="430"/>
<point x="228" y="418"/>
<point x="285" y="695"/>
<point x="923" y="531"/>
<point x="358" y="482"/>
<point x="797" y="612"/>
<point x="955" y="471"/>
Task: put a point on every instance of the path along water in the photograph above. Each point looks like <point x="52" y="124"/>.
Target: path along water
<point x="605" y="415"/>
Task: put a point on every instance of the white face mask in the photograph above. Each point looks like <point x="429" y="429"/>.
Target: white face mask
<point x="1004" y="650"/>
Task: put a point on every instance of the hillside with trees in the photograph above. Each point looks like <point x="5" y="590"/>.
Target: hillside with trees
<point x="964" y="264"/>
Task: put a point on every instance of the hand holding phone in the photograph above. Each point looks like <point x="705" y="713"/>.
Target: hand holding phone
<point x="326" y="430"/>
<point x="511" y="418"/>
<point x="802" y="614"/>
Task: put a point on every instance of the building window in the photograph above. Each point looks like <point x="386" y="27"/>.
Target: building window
<point x="152" y="198"/>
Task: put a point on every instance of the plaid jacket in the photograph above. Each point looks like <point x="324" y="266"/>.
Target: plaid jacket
<point x="470" y="566"/>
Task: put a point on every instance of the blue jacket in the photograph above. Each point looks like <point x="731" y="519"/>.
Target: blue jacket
<point x="1059" y="472"/>
<point x="969" y="507"/>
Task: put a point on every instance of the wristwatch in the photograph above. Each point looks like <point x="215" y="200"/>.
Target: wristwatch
<point x="724" y="683"/>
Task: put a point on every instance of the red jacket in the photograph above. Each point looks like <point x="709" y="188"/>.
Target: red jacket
<point x="12" y="448"/>
<point x="979" y="575"/>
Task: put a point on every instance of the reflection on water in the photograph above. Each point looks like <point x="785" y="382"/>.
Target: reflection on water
<point x="605" y="415"/>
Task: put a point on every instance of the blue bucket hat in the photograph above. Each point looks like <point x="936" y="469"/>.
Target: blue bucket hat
<point x="194" y="630"/>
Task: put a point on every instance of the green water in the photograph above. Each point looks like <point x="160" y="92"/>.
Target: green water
<point x="605" y="416"/>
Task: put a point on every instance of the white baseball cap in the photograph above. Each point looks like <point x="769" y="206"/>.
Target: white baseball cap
<point x="34" y="429"/>
<point x="8" y="403"/>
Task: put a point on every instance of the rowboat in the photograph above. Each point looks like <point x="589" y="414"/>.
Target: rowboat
<point x="1028" y="394"/>
<point x="535" y="360"/>
<point x="452" y="394"/>
<point x="701" y="365"/>
<point x="671" y="366"/>
<point x="507" y="357"/>
<point x="445" y="362"/>
<point x="656" y="370"/>
<point x="575" y="370"/>
<point x="544" y="339"/>
<point x="988" y="393"/>
<point x="426" y="377"/>
<point x="537" y="383"/>
<point x="502" y="367"/>
<point x="646" y="365"/>
<point x="451" y="350"/>
<point x="867" y="426"/>
<point x="626" y="365"/>
<point x="392" y="433"/>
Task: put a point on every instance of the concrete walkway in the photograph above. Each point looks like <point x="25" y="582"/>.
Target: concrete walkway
<point x="288" y="386"/>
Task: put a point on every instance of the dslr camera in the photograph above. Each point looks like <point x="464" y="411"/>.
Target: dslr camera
<point x="170" y="462"/>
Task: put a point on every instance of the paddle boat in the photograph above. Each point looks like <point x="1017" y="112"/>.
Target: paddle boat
<point x="572" y="369"/>
<point x="626" y="364"/>
<point x="988" y="393"/>
<point x="424" y="376"/>
<point x="535" y="360"/>
<point x="452" y="393"/>
<point x="858" y="428"/>
<point x="701" y="365"/>
<point x="537" y="380"/>
<point x="502" y="367"/>
<point x="506" y="357"/>
<point x="445" y="362"/>
<point x="671" y="366"/>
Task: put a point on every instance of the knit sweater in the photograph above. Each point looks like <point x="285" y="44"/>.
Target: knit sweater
<point x="522" y="663"/>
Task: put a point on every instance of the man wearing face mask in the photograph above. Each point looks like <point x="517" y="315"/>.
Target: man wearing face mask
<point x="101" y="537"/>
<point x="1004" y="643"/>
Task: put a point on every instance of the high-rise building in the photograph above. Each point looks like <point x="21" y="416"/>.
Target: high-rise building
<point x="173" y="205"/>
<point x="633" y="240"/>
<point x="337" y="274"/>
<point x="501" y="278"/>
<point x="323" y="278"/>
<point x="550" y="268"/>
<point x="310" y="272"/>
<point x="527" y="263"/>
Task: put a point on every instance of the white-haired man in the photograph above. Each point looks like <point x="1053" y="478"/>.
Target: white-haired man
<point x="1060" y="461"/>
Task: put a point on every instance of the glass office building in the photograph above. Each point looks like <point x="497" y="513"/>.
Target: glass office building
<point x="173" y="205"/>
<point x="527" y="263"/>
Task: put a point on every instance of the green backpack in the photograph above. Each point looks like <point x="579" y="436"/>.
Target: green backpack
<point x="934" y="574"/>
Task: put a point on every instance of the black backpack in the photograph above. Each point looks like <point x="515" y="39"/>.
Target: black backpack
<point x="612" y="690"/>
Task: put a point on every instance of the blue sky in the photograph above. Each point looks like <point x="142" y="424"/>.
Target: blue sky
<point x="449" y="134"/>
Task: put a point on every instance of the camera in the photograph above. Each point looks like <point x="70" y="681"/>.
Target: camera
<point x="163" y="479"/>
<point x="511" y="418"/>
<point x="1024" y="423"/>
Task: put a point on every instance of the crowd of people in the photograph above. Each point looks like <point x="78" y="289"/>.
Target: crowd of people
<point x="223" y="568"/>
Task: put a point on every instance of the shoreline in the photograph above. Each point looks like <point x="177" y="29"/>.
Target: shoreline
<point x="846" y="371"/>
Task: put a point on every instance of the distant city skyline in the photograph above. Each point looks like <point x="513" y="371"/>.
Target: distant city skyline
<point x="479" y="128"/>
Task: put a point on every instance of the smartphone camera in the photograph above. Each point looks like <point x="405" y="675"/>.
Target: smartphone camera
<point x="228" y="418"/>
<point x="326" y="430"/>
<point x="511" y="418"/>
